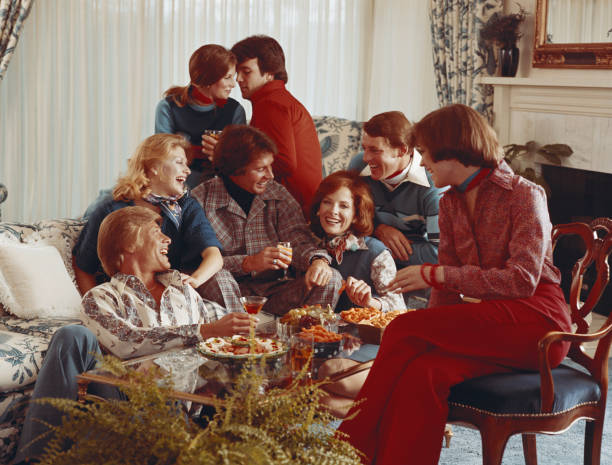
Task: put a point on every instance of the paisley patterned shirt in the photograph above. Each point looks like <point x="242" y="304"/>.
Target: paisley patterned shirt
<point x="126" y="320"/>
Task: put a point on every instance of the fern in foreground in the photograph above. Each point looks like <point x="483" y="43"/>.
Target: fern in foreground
<point x="286" y="426"/>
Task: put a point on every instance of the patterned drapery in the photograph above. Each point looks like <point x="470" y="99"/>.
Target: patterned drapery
<point x="459" y="55"/>
<point x="12" y="15"/>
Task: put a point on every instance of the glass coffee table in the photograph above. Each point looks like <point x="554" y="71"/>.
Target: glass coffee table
<point x="187" y="363"/>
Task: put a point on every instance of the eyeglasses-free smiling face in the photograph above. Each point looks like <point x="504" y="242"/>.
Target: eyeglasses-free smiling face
<point x="250" y="79"/>
<point x="337" y="212"/>
<point x="223" y="87"/>
<point x="383" y="159"/>
<point x="255" y="176"/>
<point x="168" y="177"/>
<point x="443" y="172"/>
<point x="152" y="253"/>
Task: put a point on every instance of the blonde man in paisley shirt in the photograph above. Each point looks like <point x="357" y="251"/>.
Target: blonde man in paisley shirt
<point x="146" y="308"/>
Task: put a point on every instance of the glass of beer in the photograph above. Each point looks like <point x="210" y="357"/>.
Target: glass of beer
<point x="301" y="351"/>
<point x="285" y="247"/>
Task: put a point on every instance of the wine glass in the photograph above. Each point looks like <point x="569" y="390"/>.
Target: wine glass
<point x="252" y="305"/>
<point x="286" y="247"/>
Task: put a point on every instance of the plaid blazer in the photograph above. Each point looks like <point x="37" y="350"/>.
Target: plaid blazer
<point x="274" y="216"/>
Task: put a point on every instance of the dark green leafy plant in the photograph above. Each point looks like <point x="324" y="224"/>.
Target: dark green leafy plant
<point x="503" y="30"/>
<point x="522" y="158"/>
<point x="284" y="427"/>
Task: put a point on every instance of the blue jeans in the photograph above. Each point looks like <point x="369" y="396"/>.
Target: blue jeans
<point x="72" y="351"/>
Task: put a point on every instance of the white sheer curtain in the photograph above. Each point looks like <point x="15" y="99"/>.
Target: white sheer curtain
<point x="82" y="86"/>
<point x="402" y="73"/>
<point x="579" y="21"/>
<point x="81" y="89"/>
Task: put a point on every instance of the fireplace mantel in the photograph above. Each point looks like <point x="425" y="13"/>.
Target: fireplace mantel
<point x="574" y="113"/>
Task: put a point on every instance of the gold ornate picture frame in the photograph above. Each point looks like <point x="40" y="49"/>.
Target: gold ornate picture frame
<point x="584" y="55"/>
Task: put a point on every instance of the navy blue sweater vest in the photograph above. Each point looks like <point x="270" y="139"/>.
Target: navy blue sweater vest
<point x="358" y="264"/>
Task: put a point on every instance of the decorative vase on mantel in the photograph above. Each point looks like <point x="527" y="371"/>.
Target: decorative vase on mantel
<point x="508" y="61"/>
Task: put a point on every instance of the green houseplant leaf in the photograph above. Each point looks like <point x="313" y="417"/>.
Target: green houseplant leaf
<point x="517" y="156"/>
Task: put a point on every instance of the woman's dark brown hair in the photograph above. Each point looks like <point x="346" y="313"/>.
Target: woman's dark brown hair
<point x="238" y="146"/>
<point x="207" y="65"/>
<point x="363" y="223"/>
<point x="269" y="54"/>
<point x="458" y="132"/>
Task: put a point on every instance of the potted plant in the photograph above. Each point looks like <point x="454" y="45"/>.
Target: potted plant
<point x="503" y="30"/>
<point x="522" y="159"/>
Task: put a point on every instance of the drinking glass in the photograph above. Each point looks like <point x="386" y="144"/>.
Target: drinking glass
<point x="252" y="305"/>
<point x="285" y="246"/>
<point x="215" y="133"/>
<point x="301" y="352"/>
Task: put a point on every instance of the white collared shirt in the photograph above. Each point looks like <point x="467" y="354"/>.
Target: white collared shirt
<point x="414" y="173"/>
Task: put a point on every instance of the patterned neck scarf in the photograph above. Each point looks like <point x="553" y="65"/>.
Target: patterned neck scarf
<point x="168" y="205"/>
<point x="348" y="241"/>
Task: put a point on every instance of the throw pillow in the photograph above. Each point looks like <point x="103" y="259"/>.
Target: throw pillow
<point x="34" y="283"/>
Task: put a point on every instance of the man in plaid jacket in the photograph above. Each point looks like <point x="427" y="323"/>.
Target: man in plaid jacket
<point x="251" y="214"/>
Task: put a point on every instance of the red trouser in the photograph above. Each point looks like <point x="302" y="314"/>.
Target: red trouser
<point x="425" y="352"/>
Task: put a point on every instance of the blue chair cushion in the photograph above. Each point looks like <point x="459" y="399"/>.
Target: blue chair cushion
<point x="519" y="393"/>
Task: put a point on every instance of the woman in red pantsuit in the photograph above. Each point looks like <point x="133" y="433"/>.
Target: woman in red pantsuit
<point x="495" y="246"/>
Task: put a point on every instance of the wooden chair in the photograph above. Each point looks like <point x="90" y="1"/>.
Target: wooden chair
<point x="550" y="401"/>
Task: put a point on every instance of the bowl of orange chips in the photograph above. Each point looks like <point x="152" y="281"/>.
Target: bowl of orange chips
<point x="326" y="344"/>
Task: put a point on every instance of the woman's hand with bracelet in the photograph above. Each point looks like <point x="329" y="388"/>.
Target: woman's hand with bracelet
<point x="417" y="277"/>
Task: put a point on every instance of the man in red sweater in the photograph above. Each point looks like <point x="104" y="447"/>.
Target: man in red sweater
<point x="262" y="77"/>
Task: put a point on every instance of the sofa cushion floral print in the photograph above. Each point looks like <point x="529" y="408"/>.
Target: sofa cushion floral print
<point x="23" y="344"/>
<point x="20" y="359"/>
<point x="340" y="139"/>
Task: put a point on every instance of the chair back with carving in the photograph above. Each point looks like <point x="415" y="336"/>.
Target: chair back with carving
<point x="597" y="240"/>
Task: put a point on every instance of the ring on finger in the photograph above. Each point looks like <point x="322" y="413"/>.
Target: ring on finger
<point x="274" y="261"/>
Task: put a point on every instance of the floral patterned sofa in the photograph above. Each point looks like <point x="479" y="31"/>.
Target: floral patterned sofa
<point x="23" y="342"/>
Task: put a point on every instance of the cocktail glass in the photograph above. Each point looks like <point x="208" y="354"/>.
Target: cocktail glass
<point x="252" y="305"/>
